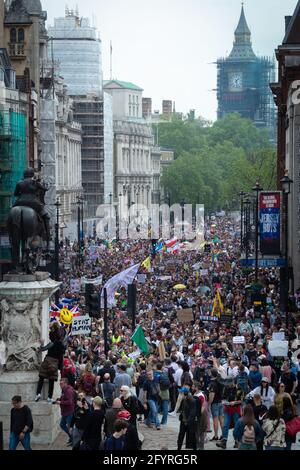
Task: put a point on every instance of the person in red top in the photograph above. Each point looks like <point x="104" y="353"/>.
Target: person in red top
<point x="67" y="406"/>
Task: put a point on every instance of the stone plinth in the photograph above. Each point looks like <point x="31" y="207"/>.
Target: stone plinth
<point x="24" y="304"/>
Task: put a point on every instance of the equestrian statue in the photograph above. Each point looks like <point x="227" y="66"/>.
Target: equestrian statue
<point x="28" y="221"/>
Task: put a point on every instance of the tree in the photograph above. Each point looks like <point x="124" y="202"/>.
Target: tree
<point x="213" y="164"/>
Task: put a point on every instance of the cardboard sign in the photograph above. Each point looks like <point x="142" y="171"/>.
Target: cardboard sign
<point x="204" y="272"/>
<point x="280" y="336"/>
<point x="141" y="278"/>
<point x="238" y="340"/>
<point x="278" y="348"/>
<point x="185" y="315"/>
<point x="81" y="326"/>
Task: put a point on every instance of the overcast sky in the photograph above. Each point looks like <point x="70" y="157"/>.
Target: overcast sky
<point x="168" y="47"/>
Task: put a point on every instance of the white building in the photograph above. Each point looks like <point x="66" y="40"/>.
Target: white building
<point x="136" y="160"/>
<point x="68" y="160"/>
<point x="77" y="47"/>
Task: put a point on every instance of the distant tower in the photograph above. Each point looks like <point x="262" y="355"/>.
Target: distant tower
<point x="243" y="81"/>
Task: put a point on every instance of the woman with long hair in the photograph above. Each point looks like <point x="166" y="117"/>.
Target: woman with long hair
<point x="247" y="431"/>
<point x="274" y="428"/>
<point x="288" y="413"/>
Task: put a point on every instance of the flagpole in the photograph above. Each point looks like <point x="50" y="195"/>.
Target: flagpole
<point x="110" y="61"/>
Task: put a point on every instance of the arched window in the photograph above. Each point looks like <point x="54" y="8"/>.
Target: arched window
<point x="13" y="35"/>
<point x="21" y="35"/>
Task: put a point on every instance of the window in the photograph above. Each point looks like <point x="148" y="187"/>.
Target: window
<point x="21" y="35"/>
<point x="13" y="35"/>
<point x="129" y="110"/>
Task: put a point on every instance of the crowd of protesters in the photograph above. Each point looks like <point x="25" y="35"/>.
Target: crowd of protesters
<point x="195" y="371"/>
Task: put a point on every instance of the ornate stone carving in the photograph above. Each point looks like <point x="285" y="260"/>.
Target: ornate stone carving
<point x="21" y="327"/>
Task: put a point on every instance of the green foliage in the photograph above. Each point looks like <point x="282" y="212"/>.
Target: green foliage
<point x="213" y="164"/>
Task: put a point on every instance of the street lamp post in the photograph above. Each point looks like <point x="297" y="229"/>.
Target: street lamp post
<point x="257" y="188"/>
<point x="286" y="183"/>
<point x="242" y="194"/>
<point x="56" y="257"/>
<point x="182" y="218"/>
<point x="119" y="216"/>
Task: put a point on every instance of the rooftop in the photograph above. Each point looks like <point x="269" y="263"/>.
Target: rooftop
<point x="120" y="84"/>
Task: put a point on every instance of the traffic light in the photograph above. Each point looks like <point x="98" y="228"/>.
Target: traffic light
<point x="92" y="301"/>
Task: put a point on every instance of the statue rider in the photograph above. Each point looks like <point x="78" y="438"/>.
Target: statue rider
<point x="30" y="192"/>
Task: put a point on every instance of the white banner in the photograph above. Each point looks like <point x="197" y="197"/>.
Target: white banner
<point x="238" y="339"/>
<point x="279" y="336"/>
<point x="81" y="326"/>
<point x="96" y="281"/>
<point x="121" y="279"/>
<point x="278" y="348"/>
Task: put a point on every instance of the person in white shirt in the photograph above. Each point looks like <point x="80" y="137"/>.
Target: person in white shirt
<point x="266" y="392"/>
<point x="229" y="370"/>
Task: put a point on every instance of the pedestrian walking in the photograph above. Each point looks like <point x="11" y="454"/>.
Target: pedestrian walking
<point x="21" y="424"/>
<point x="67" y="407"/>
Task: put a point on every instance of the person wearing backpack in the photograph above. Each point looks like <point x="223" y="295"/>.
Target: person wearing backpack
<point x="247" y="431"/>
<point x="150" y="400"/>
<point x="274" y="428"/>
<point x="87" y="383"/>
<point x="242" y="380"/>
<point x="162" y="378"/>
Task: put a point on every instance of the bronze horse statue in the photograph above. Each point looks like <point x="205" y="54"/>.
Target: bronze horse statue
<point x="28" y="223"/>
<point x="26" y="232"/>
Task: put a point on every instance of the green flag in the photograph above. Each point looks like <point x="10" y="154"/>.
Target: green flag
<point x="139" y="339"/>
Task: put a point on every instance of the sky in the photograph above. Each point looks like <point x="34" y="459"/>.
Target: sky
<point x="168" y="47"/>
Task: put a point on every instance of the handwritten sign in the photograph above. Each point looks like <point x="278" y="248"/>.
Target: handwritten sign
<point x="278" y="348"/>
<point x="81" y="326"/>
<point x="238" y="339"/>
<point x="185" y="315"/>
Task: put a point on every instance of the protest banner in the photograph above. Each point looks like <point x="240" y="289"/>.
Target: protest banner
<point x="278" y="336"/>
<point x="208" y="318"/>
<point x="238" y="340"/>
<point x="185" y="315"/>
<point x="75" y="285"/>
<point x="81" y="326"/>
<point x="278" y="348"/>
<point x="203" y="272"/>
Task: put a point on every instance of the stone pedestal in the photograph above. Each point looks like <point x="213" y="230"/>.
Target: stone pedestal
<point x="24" y="304"/>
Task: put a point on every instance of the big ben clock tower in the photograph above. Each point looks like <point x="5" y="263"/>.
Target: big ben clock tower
<point x="243" y="81"/>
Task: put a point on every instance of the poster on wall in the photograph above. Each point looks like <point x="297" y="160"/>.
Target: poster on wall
<point x="269" y="218"/>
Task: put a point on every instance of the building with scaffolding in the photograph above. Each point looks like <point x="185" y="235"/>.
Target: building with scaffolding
<point x="13" y="128"/>
<point x="74" y="43"/>
<point x="243" y="82"/>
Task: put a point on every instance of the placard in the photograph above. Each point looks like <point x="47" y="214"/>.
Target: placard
<point x="81" y="325"/>
<point x="278" y="348"/>
<point x="203" y="272"/>
<point x="279" y="336"/>
<point x="238" y="340"/>
<point x="185" y="315"/>
<point x="141" y="278"/>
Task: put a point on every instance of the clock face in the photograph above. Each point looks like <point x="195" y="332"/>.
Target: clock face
<point x="235" y="81"/>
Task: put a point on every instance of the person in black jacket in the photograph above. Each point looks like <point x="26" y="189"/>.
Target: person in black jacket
<point x="52" y="362"/>
<point x="92" y="433"/>
<point x="79" y="420"/>
<point x="187" y="420"/>
<point x="21" y="424"/>
<point x="260" y="413"/>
